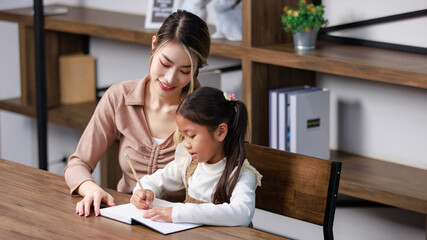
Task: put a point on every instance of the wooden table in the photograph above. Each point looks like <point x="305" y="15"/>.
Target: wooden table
<point x="36" y="204"/>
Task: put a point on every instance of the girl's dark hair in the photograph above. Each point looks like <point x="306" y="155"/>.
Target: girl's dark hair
<point x="208" y="107"/>
<point x="193" y="34"/>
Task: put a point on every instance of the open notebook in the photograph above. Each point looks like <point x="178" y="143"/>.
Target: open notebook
<point x="129" y="214"/>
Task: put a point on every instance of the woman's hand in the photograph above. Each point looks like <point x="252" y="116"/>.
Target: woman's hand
<point x="92" y="194"/>
<point x="142" y="199"/>
<point x="159" y="213"/>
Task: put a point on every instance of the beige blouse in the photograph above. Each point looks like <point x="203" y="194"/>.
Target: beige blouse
<point x="119" y="112"/>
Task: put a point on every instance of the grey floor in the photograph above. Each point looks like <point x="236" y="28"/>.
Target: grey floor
<point x="351" y="222"/>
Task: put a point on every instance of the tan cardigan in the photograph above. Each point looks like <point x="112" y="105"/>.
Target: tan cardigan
<point x="120" y="111"/>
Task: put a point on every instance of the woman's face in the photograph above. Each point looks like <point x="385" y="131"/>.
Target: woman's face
<point x="170" y="70"/>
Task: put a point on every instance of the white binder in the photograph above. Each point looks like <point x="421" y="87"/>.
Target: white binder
<point x="309" y="123"/>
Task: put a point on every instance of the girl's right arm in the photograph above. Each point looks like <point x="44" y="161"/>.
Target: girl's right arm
<point x="168" y="179"/>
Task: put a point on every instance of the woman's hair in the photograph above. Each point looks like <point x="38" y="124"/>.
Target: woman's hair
<point x="208" y="107"/>
<point x="193" y="34"/>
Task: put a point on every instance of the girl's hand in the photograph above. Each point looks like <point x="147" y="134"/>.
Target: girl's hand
<point x="159" y="213"/>
<point x="92" y="193"/>
<point x="142" y="199"/>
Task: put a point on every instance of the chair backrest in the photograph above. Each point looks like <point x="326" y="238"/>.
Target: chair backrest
<point x="296" y="186"/>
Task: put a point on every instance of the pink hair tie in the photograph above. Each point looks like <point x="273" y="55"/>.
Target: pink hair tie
<point x="230" y="97"/>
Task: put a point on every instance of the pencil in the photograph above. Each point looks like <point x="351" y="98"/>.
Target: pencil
<point x="133" y="170"/>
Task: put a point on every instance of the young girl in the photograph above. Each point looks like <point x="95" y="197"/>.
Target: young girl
<point x="142" y="112"/>
<point x="210" y="164"/>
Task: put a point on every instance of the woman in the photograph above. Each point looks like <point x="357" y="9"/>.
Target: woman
<point x="141" y="112"/>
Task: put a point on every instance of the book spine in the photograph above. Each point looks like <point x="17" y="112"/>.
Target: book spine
<point x="293" y="123"/>
<point x="272" y="119"/>
<point x="282" y="121"/>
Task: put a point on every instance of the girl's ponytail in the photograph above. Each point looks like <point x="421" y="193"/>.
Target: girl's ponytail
<point x="234" y="148"/>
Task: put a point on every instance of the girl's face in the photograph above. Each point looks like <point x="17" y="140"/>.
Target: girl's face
<point x="202" y="145"/>
<point x="170" y="70"/>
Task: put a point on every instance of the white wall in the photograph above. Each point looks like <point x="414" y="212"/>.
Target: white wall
<point x="373" y="119"/>
<point x="407" y="32"/>
<point x="17" y="139"/>
<point x="378" y="120"/>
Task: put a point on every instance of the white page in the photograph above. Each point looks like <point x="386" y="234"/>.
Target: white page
<point x="127" y="213"/>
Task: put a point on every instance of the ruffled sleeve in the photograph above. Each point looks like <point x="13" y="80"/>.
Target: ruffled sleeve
<point x="249" y="167"/>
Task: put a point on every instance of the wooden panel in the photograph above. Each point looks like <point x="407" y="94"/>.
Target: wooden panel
<point x="266" y="26"/>
<point x="27" y="66"/>
<point x="247" y="93"/>
<point x="52" y="69"/>
<point x="110" y="167"/>
<point x="384" y="182"/>
<point x="27" y="55"/>
<point x="381" y="65"/>
<point x="57" y="43"/>
<point x="293" y="185"/>
<point x="246" y="23"/>
<point x="263" y="78"/>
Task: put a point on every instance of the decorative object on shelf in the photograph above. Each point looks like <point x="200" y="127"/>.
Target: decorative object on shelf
<point x="77" y="78"/>
<point x="158" y="11"/>
<point x="304" y="23"/>
<point x="228" y="20"/>
<point x="304" y="40"/>
<point x="197" y="7"/>
<point x="53" y="10"/>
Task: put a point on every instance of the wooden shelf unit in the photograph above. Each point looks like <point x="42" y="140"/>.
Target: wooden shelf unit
<point x="268" y="61"/>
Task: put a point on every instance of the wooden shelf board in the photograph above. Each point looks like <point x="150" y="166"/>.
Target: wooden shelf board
<point x="15" y="105"/>
<point x="384" y="182"/>
<point x="73" y="115"/>
<point x="370" y="63"/>
<point x="110" y="25"/>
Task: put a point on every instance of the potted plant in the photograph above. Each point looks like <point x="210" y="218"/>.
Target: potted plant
<point x="304" y="23"/>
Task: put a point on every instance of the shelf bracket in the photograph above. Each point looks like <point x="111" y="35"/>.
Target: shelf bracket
<point x="324" y="32"/>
